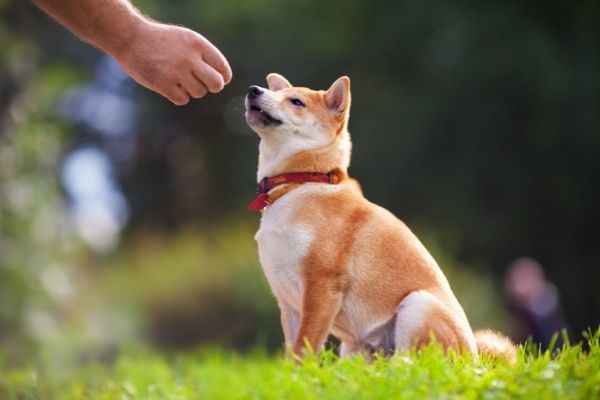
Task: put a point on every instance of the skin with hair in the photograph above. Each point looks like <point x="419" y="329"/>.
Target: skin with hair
<point x="337" y="263"/>
<point x="172" y="61"/>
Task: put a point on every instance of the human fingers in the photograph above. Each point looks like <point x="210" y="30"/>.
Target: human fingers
<point x="215" y="58"/>
<point x="177" y="95"/>
<point x="212" y="80"/>
<point x="195" y="87"/>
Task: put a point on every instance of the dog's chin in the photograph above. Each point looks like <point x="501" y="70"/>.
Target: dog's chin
<point x="260" y="119"/>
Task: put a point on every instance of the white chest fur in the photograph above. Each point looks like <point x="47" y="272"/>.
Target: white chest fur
<point x="282" y="246"/>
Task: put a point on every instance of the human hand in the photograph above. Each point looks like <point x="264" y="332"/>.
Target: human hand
<point x="173" y="61"/>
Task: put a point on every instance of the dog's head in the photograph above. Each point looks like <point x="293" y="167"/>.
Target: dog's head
<point x="300" y="128"/>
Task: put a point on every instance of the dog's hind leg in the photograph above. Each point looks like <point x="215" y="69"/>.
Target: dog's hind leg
<point x="421" y="315"/>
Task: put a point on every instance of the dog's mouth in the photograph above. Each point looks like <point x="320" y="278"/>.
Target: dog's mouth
<point x="264" y="117"/>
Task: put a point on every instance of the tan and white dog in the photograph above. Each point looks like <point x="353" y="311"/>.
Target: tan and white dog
<point x="336" y="262"/>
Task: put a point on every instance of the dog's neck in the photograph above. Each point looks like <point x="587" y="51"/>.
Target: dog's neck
<point x="275" y="158"/>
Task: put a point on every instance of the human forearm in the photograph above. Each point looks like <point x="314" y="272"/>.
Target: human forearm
<point x="171" y="60"/>
<point x="108" y="24"/>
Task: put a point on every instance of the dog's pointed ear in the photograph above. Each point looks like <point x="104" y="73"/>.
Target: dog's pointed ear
<point x="337" y="97"/>
<point x="277" y="82"/>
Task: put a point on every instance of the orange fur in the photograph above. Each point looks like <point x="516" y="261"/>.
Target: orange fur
<point x="361" y="273"/>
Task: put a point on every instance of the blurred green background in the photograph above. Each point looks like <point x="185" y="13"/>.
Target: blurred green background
<point x="122" y="217"/>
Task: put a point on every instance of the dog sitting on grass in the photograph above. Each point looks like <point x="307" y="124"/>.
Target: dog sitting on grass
<point x="337" y="263"/>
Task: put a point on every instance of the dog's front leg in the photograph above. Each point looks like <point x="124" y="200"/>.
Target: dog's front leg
<point x="289" y="323"/>
<point x="321" y="302"/>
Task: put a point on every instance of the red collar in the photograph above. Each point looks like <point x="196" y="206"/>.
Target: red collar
<point x="264" y="198"/>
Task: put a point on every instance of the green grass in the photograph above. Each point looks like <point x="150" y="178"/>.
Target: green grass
<point x="571" y="373"/>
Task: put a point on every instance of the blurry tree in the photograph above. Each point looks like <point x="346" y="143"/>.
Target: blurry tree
<point x="477" y="123"/>
<point x="34" y="237"/>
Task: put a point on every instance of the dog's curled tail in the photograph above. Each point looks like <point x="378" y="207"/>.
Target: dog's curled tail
<point x="496" y="345"/>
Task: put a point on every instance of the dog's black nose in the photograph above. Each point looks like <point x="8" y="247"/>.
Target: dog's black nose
<point x="254" y="91"/>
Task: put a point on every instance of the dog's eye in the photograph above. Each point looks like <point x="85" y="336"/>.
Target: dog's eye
<point x="297" y="102"/>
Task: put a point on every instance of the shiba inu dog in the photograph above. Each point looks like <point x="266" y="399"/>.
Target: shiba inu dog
<point x="337" y="263"/>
